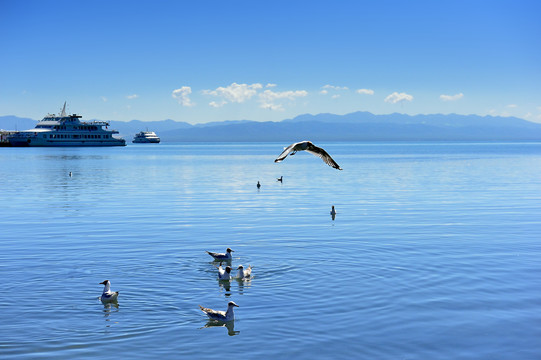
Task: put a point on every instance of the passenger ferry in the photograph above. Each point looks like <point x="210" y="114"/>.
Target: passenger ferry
<point x="146" y="137"/>
<point x="67" y="130"/>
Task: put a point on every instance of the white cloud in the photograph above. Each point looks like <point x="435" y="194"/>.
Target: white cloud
<point x="365" y="91"/>
<point x="237" y="93"/>
<point x="182" y="95"/>
<point x="398" y="97"/>
<point x="217" y="104"/>
<point x="332" y="87"/>
<point x="130" y="97"/>
<point x="269" y="98"/>
<point x="271" y="85"/>
<point x="332" y="90"/>
<point x="104" y="99"/>
<point x="451" y="97"/>
<point x="512" y="106"/>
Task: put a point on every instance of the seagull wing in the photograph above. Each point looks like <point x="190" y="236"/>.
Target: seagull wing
<point x="216" y="255"/>
<point x="221" y="271"/>
<point x="319" y="152"/>
<point x="285" y="153"/>
<point x="213" y="314"/>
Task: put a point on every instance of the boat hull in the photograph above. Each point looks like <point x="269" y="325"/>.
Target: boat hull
<point x="146" y="141"/>
<point x="36" y="142"/>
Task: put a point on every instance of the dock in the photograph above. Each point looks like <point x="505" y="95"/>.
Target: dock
<point x="4" y="137"/>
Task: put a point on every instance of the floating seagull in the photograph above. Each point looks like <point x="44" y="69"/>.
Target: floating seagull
<point x="280" y="179"/>
<point x="244" y="273"/>
<point x="224" y="274"/>
<point x="312" y="149"/>
<point x="258" y="185"/>
<point x="220" y="256"/>
<point x="333" y="212"/>
<point x="108" y="295"/>
<point x="221" y="315"/>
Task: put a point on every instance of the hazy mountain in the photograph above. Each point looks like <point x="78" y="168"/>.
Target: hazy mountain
<point x="11" y="122"/>
<point x="357" y="126"/>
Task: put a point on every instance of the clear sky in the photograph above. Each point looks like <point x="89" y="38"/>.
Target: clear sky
<point x="201" y="61"/>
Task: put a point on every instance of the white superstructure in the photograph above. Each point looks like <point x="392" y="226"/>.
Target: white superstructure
<point x="146" y="137"/>
<point x="67" y="130"/>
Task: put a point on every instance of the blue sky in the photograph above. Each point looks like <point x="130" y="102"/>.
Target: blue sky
<point x="201" y="61"/>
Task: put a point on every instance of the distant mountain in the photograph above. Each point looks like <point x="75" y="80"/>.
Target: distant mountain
<point x="129" y="129"/>
<point x="364" y="126"/>
<point x="11" y="122"/>
<point x="357" y="126"/>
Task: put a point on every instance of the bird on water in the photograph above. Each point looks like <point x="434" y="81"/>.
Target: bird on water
<point x="227" y="315"/>
<point x="224" y="274"/>
<point x="244" y="273"/>
<point x="108" y="295"/>
<point x="312" y="149"/>
<point x="221" y="256"/>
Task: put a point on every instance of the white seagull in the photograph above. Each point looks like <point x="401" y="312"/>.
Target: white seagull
<point x="244" y="273"/>
<point x="108" y="295"/>
<point x="312" y="149"/>
<point x="224" y="274"/>
<point x="221" y="315"/>
<point x="221" y="256"/>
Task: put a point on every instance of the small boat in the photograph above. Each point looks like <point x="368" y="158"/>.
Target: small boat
<point x="66" y="130"/>
<point x="146" y="137"/>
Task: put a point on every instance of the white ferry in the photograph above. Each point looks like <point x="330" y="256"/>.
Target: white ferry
<point x="67" y="130"/>
<point x="146" y="137"/>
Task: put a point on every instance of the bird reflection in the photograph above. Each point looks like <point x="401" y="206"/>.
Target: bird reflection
<point x="109" y="308"/>
<point x="229" y="325"/>
<point x="226" y="285"/>
<point x="243" y="283"/>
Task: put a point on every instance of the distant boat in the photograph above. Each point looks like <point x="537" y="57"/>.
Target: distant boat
<point x="66" y="130"/>
<point x="146" y="137"/>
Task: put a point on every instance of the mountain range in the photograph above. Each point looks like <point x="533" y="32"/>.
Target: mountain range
<point x="356" y="126"/>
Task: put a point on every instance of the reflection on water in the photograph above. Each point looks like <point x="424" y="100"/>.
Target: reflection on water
<point x="108" y="309"/>
<point x="226" y="286"/>
<point x="229" y="325"/>
<point x="436" y="251"/>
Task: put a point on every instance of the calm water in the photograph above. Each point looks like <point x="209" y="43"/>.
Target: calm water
<point x="435" y="252"/>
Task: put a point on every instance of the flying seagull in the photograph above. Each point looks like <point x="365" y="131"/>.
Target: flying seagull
<point x="221" y="256"/>
<point x="108" y="295"/>
<point x="312" y="149"/>
<point x="220" y="315"/>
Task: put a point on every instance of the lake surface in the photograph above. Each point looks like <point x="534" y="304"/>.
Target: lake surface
<point x="435" y="251"/>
